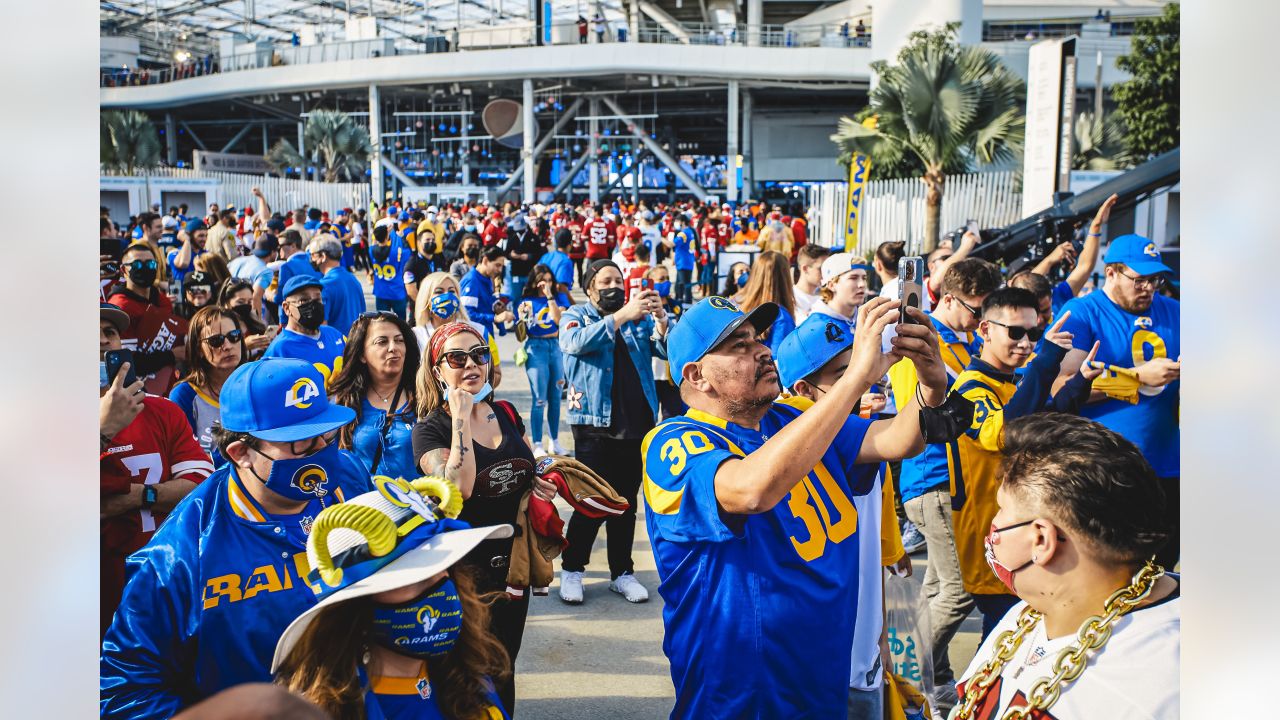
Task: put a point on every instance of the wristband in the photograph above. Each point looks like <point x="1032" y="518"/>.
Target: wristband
<point x="149" y="495"/>
<point x="920" y="399"/>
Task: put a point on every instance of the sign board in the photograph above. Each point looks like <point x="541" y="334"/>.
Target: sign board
<point x="231" y="162"/>
<point x="1043" y="169"/>
<point x="859" y="167"/>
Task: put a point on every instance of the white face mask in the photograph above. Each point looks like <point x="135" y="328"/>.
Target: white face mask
<point x="484" y="392"/>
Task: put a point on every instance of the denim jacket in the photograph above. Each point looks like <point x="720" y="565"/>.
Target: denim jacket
<point x="587" y="342"/>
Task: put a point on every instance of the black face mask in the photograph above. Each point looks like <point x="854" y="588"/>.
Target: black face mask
<point x="143" y="277"/>
<point x="611" y="300"/>
<point x="245" y="312"/>
<point x="311" y="314"/>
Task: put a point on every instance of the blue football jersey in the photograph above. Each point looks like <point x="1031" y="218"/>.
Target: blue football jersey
<point x="759" y="609"/>
<point x="1129" y="340"/>
<point x="324" y="352"/>
<point x="540" y="322"/>
<point x="686" y="249"/>
<point x="388" y="275"/>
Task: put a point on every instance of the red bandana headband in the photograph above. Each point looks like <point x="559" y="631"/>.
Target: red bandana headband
<point x="442" y="335"/>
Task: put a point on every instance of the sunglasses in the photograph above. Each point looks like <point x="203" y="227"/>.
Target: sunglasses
<point x="457" y="359"/>
<point x="216" y="341"/>
<point x="297" y="448"/>
<point x="143" y="265"/>
<point x="970" y="308"/>
<point x="378" y="314"/>
<point x="1016" y="332"/>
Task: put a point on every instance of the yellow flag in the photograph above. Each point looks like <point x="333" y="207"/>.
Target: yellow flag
<point x="859" y="167"/>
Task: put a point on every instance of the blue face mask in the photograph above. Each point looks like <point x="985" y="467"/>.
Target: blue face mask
<point x="484" y="393"/>
<point x="445" y="305"/>
<point x="742" y="280"/>
<point x="302" y="478"/>
<point x="663" y="288"/>
<point x="427" y="626"/>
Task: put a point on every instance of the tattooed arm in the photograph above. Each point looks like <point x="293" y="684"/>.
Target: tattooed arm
<point x="456" y="463"/>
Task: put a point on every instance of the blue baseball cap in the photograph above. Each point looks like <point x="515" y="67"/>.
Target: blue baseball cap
<point x="812" y="345"/>
<point x="194" y="225"/>
<point x="280" y="400"/>
<point x="705" y="325"/>
<point x="1138" y="253"/>
<point x="298" y="282"/>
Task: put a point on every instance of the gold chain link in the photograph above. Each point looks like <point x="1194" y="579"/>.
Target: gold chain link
<point x="1069" y="663"/>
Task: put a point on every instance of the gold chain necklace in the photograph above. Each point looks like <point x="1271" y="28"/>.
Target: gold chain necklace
<point x="1069" y="663"/>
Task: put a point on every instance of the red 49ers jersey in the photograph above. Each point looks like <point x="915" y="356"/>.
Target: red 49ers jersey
<point x="601" y="236"/>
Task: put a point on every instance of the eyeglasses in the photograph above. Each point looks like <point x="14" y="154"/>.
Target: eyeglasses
<point x="216" y="341"/>
<point x="976" y="313"/>
<point x="1154" y="282"/>
<point x="1016" y="332"/>
<point x="297" y="448"/>
<point x="199" y="289"/>
<point x="143" y="265"/>
<point x="457" y="359"/>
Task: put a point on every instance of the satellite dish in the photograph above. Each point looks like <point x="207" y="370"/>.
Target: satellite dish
<point x="503" y="119"/>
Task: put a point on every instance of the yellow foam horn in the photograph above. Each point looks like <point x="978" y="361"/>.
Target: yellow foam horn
<point x="378" y="531"/>
<point x="447" y="494"/>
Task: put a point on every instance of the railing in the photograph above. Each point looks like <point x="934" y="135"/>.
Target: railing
<point x="494" y="37"/>
<point x="895" y="209"/>
<point x="282" y="193"/>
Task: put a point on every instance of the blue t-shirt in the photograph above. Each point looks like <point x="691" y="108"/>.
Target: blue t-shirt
<point x="396" y="441"/>
<point x="540" y="323"/>
<point x="343" y="299"/>
<point x="759" y="610"/>
<point x="561" y="267"/>
<point x="324" y="352"/>
<point x="388" y="275"/>
<point x="686" y="249"/>
<point x="1129" y="340"/>
<point x="1062" y="294"/>
<point x="181" y="274"/>
<point x="392" y="698"/>
<point x="477" y="298"/>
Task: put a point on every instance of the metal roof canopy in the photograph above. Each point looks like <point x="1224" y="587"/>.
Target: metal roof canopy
<point x="167" y="26"/>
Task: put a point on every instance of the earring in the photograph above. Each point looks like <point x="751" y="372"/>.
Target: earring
<point x="364" y="658"/>
<point x="1034" y="558"/>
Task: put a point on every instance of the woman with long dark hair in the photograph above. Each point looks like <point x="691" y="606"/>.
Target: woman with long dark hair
<point x="400" y="632"/>
<point x="379" y="368"/>
<point x="466" y="437"/>
<point x="215" y="347"/>
<point x="237" y="296"/>
<point x="770" y="282"/>
<point x="539" y="309"/>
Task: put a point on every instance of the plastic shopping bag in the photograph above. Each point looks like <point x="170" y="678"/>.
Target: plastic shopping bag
<point x="909" y="637"/>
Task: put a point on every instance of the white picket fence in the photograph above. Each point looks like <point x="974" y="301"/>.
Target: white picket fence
<point x="283" y="194"/>
<point x="895" y="209"/>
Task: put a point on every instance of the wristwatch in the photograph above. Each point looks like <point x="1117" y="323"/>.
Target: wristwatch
<point x="149" y="495"/>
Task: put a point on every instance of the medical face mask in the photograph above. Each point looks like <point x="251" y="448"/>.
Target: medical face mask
<point x="481" y="395"/>
<point x="427" y="626"/>
<point x="444" y="305"/>
<point x="1003" y="572"/>
<point x="663" y="288"/>
<point x="302" y="478"/>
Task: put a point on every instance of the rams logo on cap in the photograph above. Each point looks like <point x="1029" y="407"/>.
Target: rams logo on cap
<point x="834" y="333"/>
<point x="304" y="390"/>
<point x="722" y="303"/>
<point x="1150" y="250"/>
<point x="311" y="479"/>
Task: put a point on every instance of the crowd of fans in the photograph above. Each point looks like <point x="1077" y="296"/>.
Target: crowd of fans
<point x="325" y="476"/>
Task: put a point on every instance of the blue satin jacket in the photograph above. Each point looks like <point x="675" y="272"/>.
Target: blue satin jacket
<point x="207" y="599"/>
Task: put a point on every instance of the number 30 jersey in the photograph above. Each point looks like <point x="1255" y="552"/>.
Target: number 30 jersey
<point x="759" y="609"/>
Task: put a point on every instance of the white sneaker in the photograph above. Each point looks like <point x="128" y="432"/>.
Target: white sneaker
<point x="538" y="452"/>
<point x="571" y="587"/>
<point x="554" y="448"/>
<point x="630" y="588"/>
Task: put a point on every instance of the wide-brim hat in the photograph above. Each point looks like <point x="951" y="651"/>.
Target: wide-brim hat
<point x="383" y="540"/>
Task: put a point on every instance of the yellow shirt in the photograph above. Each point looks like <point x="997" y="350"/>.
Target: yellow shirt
<point x="973" y="461"/>
<point x="437" y="229"/>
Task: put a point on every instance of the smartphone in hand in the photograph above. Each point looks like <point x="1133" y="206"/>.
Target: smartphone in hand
<point x="910" y="285"/>
<point x="116" y="358"/>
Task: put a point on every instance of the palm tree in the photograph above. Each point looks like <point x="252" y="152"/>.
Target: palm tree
<point x="943" y="105"/>
<point x="1099" y="145"/>
<point x="127" y="141"/>
<point x="334" y="142"/>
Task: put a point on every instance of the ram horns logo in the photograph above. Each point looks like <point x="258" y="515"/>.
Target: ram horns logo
<point x="1150" y="250"/>
<point x="722" y="303"/>
<point x="304" y="390"/>
<point x="428" y="617"/>
<point x="834" y="333"/>
<point x="311" y="479"/>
